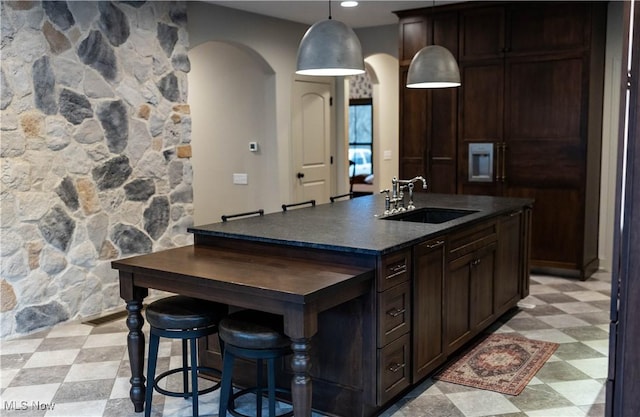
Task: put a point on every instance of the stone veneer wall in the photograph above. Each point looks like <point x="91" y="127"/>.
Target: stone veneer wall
<point x="95" y="151"/>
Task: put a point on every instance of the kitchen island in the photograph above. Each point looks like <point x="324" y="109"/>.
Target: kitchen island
<point x="419" y="289"/>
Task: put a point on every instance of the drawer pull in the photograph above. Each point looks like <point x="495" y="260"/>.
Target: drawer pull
<point x="396" y="312"/>
<point x="476" y="262"/>
<point x="396" y="367"/>
<point x="397" y="270"/>
<point x="435" y="245"/>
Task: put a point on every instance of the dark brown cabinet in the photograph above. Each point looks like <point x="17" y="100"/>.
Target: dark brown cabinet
<point x="428" y="280"/>
<point x="429" y="115"/>
<point x="469" y="284"/>
<point x="532" y="80"/>
<point x="509" y="262"/>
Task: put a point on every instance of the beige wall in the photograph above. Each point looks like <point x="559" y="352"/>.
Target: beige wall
<point x="243" y="66"/>
<point x="232" y="106"/>
<point x="386" y="118"/>
<point x="258" y="50"/>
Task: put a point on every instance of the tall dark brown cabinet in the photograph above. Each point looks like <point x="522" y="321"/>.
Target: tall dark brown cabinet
<point x="532" y="85"/>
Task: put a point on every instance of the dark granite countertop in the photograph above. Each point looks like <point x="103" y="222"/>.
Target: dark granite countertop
<point x="355" y="226"/>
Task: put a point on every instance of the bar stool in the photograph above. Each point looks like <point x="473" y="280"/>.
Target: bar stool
<point x="257" y="335"/>
<point x="185" y="318"/>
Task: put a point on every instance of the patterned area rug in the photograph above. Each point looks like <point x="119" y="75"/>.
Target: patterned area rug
<point x="500" y="362"/>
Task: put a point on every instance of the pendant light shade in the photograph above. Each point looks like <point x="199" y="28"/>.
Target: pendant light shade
<point x="433" y="67"/>
<point x="330" y="48"/>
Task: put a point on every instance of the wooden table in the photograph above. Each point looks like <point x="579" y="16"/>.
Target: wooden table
<point x="294" y="288"/>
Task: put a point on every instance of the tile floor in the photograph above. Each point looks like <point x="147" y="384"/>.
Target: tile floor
<point x="80" y="370"/>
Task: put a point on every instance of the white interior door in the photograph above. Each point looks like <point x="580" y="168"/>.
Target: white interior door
<point x="311" y="138"/>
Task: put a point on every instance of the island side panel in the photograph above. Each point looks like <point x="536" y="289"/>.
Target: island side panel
<point x="341" y="354"/>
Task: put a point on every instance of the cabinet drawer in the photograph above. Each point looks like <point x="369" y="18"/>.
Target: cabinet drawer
<point x="394" y="269"/>
<point x="394" y="313"/>
<point x="470" y="240"/>
<point x="394" y="368"/>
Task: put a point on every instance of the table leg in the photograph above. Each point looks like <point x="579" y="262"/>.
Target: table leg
<point x="301" y="393"/>
<point x="135" y="344"/>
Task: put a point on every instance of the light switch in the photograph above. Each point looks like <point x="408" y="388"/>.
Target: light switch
<point x="386" y="155"/>
<point x="241" y="179"/>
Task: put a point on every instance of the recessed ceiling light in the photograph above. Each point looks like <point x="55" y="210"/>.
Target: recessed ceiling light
<point x="349" y="4"/>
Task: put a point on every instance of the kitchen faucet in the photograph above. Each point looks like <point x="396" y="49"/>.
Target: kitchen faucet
<point x="397" y="194"/>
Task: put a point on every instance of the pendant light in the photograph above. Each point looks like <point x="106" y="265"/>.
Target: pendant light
<point x="433" y="67"/>
<point x="330" y="48"/>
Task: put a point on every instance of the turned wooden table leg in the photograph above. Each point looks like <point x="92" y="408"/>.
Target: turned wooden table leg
<point x="135" y="344"/>
<point x="301" y="393"/>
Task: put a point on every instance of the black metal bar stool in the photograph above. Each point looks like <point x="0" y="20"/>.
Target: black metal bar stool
<point x="188" y="319"/>
<point x="255" y="335"/>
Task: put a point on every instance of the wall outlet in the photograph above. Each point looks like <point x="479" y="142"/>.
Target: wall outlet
<point x="241" y="179"/>
<point x="253" y="146"/>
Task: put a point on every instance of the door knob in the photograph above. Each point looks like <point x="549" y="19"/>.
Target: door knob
<point x="300" y="175"/>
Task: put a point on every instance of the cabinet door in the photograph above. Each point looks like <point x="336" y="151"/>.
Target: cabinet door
<point x="539" y="27"/>
<point x="482" y="33"/>
<point x="413" y="129"/>
<point x="442" y="116"/>
<point x="428" y="125"/>
<point x="413" y="37"/>
<point x="544" y="121"/>
<point x="510" y="252"/>
<point x="545" y="152"/>
<point x="482" y="270"/>
<point x="428" y="275"/>
<point x="457" y="285"/>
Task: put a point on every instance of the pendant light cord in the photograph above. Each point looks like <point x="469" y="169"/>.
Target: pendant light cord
<point x="433" y="23"/>
<point x="329" y="9"/>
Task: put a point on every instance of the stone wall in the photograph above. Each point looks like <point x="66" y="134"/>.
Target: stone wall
<point x="95" y="151"/>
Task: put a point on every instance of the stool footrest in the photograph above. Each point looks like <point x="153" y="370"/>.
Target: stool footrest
<point x="188" y="394"/>
<point x="232" y="408"/>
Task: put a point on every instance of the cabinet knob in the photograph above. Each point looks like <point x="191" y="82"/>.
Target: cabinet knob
<point x="395" y="270"/>
<point x="436" y="244"/>
<point x="396" y="312"/>
<point x="396" y="367"/>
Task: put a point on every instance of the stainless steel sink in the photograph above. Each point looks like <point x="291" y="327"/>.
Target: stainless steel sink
<point x="432" y="215"/>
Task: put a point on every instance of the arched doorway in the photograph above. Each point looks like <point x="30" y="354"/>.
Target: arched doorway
<point x="231" y="108"/>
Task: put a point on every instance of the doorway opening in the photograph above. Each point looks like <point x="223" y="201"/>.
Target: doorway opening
<point x="360" y="137"/>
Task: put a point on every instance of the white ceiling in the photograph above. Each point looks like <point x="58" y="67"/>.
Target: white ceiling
<point x="368" y="13"/>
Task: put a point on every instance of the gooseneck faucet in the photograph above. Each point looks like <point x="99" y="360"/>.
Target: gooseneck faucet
<point x="396" y="199"/>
